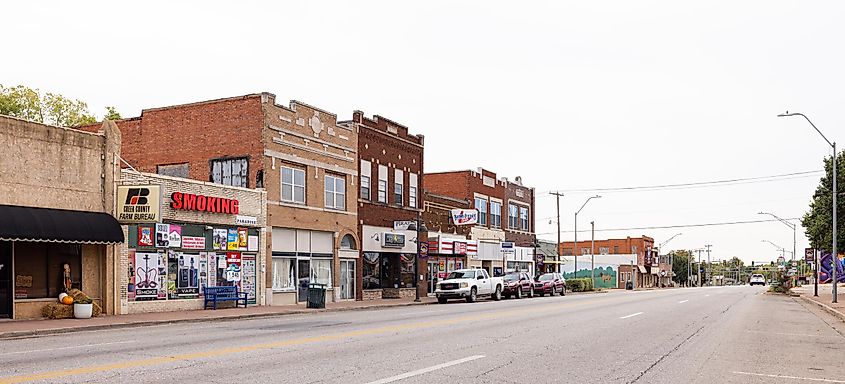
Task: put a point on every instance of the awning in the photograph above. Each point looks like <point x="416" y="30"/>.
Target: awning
<point x="642" y="269"/>
<point x="553" y="262"/>
<point x="58" y="225"/>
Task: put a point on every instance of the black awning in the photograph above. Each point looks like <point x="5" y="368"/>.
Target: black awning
<point x="58" y="225"/>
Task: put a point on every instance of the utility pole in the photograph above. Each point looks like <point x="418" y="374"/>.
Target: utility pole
<point x="558" y="196"/>
<point x="576" y="231"/>
<point x="709" y="266"/>
<point x="698" y="270"/>
<point x="593" y="253"/>
<point x="689" y="256"/>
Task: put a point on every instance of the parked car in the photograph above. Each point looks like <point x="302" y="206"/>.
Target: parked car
<point x="757" y="279"/>
<point x="518" y="284"/>
<point x="469" y="284"/>
<point x="551" y="283"/>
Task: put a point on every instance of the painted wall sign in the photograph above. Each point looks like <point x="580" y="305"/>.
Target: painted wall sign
<point x="138" y="203"/>
<point x="202" y="203"/>
<point x="464" y="216"/>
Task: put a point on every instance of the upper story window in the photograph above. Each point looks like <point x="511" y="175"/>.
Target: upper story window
<point x="412" y="190"/>
<point x="523" y="219"/>
<point x="293" y="185"/>
<point x="604" y="250"/>
<point x="382" y="184"/>
<point x="567" y="252"/>
<point x="399" y="187"/>
<point x="366" y="171"/>
<point x="335" y="192"/>
<point x="175" y="170"/>
<point x="495" y="214"/>
<point x="481" y="206"/>
<point x="513" y="216"/>
<point x="232" y="172"/>
<point x="615" y="249"/>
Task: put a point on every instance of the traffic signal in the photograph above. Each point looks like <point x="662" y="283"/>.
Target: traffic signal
<point x="752" y="264"/>
<point x="772" y="263"/>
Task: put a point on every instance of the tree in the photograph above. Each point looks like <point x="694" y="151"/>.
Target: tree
<point x="817" y="221"/>
<point x="49" y="108"/>
<point x="679" y="265"/>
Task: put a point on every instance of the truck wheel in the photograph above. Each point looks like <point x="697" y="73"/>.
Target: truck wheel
<point x="497" y="295"/>
<point x="519" y="293"/>
<point x="563" y="291"/>
<point x="442" y="300"/>
<point x="473" y="295"/>
<point x="531" y="292"/>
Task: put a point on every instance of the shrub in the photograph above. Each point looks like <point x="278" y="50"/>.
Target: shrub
<point x="579" y="285"/>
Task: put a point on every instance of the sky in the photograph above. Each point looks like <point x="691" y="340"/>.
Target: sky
<point x="568" y="95"/>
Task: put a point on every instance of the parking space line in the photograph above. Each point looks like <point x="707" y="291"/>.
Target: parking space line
<point x="631" y="315"/>
<point x="788" y="377"/>
<point x="682" y="301"/>
<point x="426" y="370"/>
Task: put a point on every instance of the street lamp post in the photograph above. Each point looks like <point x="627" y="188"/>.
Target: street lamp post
<point x="593" y="253"/>
<point x="788" y="224"/>
<point x="418" y="226"/>
<point x="834" y="191"/>
<point x="575" y="253"/>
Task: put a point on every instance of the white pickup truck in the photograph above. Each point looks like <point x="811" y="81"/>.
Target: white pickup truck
<point x="469" y="284"/>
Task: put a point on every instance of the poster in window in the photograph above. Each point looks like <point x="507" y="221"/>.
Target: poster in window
<point x="212" y="269"/>
<point x="459" y="264"/>
<point x="162" y="235"/>
<point x="187" y="276"/>
<point x="150" y="271"/>
<point x="248" y="277"/>
<point x="145" y="236"/>
<point x="232" y="240"/>
<point x="233" y="267"/>
<point x="203" y="270"/>
<point x="175" y="236"/>
<point x="450" y="265"/>
<point x="172" y="273"/>
<point x="252" y="244"/>
<point x="130" y="274"/>
<point x="219" y="239"/>
<point x="242" y="239"/>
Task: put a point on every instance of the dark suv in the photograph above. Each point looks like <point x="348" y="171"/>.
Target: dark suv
<point x="550" y="283"/>
<point x="518" y="284"/>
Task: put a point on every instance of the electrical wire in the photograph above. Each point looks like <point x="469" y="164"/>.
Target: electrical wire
<point x="674" y="226"/>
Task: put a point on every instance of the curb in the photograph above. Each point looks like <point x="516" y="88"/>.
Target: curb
<point x="826" y="308"/>
<point x="142" y="323"/>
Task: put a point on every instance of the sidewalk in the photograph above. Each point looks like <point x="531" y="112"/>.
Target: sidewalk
<point x="20" y="328"/>
<point x="824" y="299"/>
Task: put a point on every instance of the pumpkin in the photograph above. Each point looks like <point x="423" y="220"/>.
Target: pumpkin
<point x="62" y="296"/>
<point x="67" y="300"/>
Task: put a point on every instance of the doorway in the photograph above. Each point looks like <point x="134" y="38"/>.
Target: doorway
<point x="347" y="279"/>
<point x="6" y="293"/>
<point x="432" y="276"/>
<point x="303" y="274"/>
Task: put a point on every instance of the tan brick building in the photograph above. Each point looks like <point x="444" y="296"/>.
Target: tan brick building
<point x="298" y="153"/>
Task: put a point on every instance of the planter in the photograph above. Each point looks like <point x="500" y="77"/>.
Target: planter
<point x="83" y="311"/>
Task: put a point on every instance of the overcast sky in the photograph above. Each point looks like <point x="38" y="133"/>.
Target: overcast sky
<point x="568" y="95"/>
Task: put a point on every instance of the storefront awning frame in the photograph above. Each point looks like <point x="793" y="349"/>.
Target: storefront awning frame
<point x="34" y="224"/>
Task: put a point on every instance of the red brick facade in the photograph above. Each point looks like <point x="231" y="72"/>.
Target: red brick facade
<point x="627" y="246"/>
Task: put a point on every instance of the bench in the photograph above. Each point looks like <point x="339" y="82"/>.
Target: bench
<point x="215" y="294"/>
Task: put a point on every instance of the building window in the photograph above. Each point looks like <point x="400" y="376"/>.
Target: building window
<point x="481" y="206"/>
<point x="321" y="271"/>
<point x="284" y="274"/>
<point x="585" y="251"/>
<point x="567" y="252"/>
<point x="39" y="268"/>
<point x="398" y="187"/>
<point x="513" y="216"/>
<point x="382" y="184"/>
<point x="230" y="172"/>
<point x="615" y="249"/>
<point x="335" y="192"/>
<point x="523" y="218"/>
<point x="347" y="242"/>
<point x="366" y="172"/>
<point x="174" y="170"/>
<point x="397" y="194"/>
<point x="372" y="270"/>
<point x="412" y="197"/>
<point x="604" y="250"/>
<point x="293" y="185"/>
<point x="495" y="214"/>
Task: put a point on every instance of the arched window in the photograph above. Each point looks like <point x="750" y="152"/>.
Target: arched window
<point x="347" y="242"/>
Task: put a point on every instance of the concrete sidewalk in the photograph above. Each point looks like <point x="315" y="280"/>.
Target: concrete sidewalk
<point x="23" y="328"/>
<point x="824" y="299"/>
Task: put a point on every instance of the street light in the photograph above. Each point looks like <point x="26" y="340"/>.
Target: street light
<point x="576" y="231"/>
<point x="418" y="226"/>
<point x="781" y="249"/>
<point x="788" y="224"/>
<point x="834" y="191"/>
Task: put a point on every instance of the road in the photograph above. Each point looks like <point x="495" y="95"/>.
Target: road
<point x="693" y="335"/>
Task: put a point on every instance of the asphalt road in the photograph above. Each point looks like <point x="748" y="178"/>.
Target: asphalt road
<point x="694" y="335"/>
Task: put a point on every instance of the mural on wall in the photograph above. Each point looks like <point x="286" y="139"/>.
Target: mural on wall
<point x="606" y="270"/>
<point x="826" y="270"/>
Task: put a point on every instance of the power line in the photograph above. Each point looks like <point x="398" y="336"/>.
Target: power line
<point x="702" y="184"/>
<point x="676" y="226"/>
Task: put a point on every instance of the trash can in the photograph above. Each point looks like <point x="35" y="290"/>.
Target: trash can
<point x="629" y="286"/>
<point x="316" y="295"/>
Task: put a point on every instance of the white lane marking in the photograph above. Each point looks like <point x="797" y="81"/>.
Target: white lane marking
<point x="631" y="315"/>
<point x="787" y="334"/>
<point x="71" y="347"/>
<point x="788" y="377"/>
<point x="706" y="295"/>
<point x="682" y="301"/>
<point x="426" y="370"/>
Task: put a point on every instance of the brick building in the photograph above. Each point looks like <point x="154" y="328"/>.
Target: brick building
<point x="505" y="214"/>
<point x="448" y="244"/>
<point x="389" y="199"/>
<point x="648" y="269"/>
<point x="298" y="153"/>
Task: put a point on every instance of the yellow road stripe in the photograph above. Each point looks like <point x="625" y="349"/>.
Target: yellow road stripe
<point x="278" y="344"/>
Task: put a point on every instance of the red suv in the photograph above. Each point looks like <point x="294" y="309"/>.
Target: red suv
<point x="517" y="284"/>
<point x="550" y="283"/>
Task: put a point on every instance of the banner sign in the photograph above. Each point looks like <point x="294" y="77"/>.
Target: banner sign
<point x="809" y="255"/>
<point x="392" y="240"/>
<point x="138" y="204"/>
<point x="464" y="216"/>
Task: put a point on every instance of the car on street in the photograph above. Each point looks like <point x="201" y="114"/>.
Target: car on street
<point x="518" y="284"/>
<point x="551" y="283"/>
<point x="469" y="284"/>
<point x="757" y="279"/>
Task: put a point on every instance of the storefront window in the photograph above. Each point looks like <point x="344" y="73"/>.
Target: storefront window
<point x="39" y="269"/>
<point x="372" y="271"/>
<point x="284" y="273"/>
<point x="321" y="271"/>
<point x="408" y="270"/>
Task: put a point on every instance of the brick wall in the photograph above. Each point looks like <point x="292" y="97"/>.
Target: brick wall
<point x="522" y="196"/>
<point x="624" y="246"/>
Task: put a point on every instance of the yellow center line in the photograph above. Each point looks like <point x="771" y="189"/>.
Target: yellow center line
<point x="284" y="343"/>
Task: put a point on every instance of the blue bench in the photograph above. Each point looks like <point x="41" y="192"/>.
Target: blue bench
<point x="215" y="294"/>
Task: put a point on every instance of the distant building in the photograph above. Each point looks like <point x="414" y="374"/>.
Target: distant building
<point x="649" y="271"/>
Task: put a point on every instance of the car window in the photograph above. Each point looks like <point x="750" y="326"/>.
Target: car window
<point x="512" y="277"/>
<point x="546" y="277"/>
<point x="461" y="275"/>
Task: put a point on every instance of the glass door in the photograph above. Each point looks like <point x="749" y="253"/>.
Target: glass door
<point x="433" y="266"/>
<point x="5" y="279"/>
<point x="303" y="274"/>
<point x="347" y="279"/>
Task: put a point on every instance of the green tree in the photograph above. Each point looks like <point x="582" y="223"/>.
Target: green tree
<point x="48" y="108"/>
<point x="817" y="221"/>
<point x="112" y="114"/>
<point x="679" y="265"/>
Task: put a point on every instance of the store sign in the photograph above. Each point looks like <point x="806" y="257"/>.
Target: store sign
<point x="193" y="242"/>
<point x="392" y="240"/>
<point x="464" y="216"/>
<point x="202" y="203"/>
<point x="459" y="248"/>
<point x="402" y="225"/>
<point x="246" y="220"/>
<point x="809" y="255"/>
<point x="138" y="203"/>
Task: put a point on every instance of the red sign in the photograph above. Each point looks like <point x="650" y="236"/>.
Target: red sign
<point x="202" y="203"/>
<point x="460" y="248"/>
